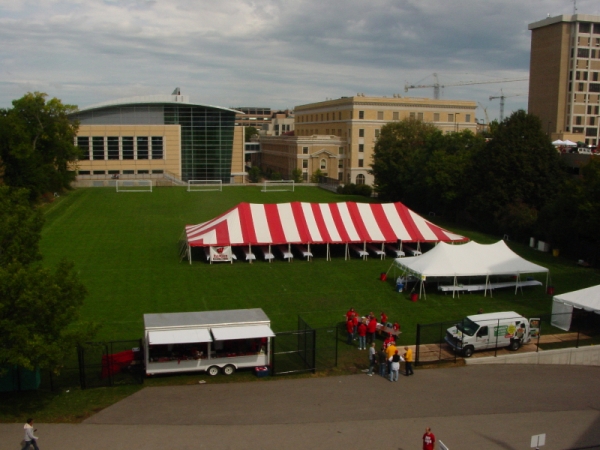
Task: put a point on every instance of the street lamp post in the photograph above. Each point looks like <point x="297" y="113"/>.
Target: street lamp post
<point x="456" y="122"/>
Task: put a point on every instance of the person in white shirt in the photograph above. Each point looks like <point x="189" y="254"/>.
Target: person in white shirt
<point x="30" y="439"/>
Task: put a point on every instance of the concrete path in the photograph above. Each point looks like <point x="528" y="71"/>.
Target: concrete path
<point x="475" y="407"/>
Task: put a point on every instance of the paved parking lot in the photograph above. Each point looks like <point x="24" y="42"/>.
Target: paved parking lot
<point x="474" y="407"/>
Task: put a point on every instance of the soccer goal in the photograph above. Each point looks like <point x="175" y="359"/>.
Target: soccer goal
<point x="134" y="185"/>
<point x="278" y="186"/>
<point x="204" y="185"/>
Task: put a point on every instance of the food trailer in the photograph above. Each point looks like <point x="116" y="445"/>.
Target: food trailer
<point x="211" y="341"/>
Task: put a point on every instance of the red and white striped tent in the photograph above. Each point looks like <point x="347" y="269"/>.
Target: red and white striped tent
<point x="249" y="224"/>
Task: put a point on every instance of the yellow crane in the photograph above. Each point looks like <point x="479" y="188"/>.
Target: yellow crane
<point x="436" y="85"/>
<point x="487" y="119"/>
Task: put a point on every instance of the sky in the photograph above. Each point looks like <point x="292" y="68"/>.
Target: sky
<point x="270" y="53"/>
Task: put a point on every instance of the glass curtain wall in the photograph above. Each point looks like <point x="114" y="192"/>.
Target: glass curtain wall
<point x="206" y="141"/>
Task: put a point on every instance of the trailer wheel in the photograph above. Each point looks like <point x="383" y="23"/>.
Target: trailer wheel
<point x="212" y="371"/>
<point x="514" y="345"/>
<point x="228" y="370"/>
<point x="468" y="351"/>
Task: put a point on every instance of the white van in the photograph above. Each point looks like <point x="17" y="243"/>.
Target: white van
<point x="494" y="330"/>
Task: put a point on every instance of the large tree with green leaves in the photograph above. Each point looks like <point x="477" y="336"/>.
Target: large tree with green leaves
<point x="399" y="155"/>
<point x="39" y="308"/>
<point x="37" y="148"/>
<point x="514" y="176"/>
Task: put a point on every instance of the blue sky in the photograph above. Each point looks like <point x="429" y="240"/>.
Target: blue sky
<point x="271" y="53"/>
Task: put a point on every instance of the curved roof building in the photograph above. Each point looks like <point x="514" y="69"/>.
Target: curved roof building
<point x="157" y="135"/>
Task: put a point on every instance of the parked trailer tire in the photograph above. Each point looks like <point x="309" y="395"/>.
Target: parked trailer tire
<point x="514" y="345"/>
<point x="228" y="369"/>
<point x="213" y="370"/>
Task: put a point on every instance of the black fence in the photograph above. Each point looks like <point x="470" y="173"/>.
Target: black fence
<point x="453" y="340"/>
<point x="115" y="363"/>
<point x="306" y="349"/>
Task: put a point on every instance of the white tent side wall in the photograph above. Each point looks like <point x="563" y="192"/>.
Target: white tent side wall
<point x="561" y="315"/>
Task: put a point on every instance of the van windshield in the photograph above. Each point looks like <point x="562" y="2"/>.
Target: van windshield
<point x="467" y="326"/>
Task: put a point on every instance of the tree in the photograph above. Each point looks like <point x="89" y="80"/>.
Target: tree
<point x="37" y="148"/>
<point x="297" y="175"/>
<point x="249" y="133"/>
<point x="254" y="174"/>
<point x="39" y="308"/>
<point x="514" y="176"/>
<point x="398" y="156"/>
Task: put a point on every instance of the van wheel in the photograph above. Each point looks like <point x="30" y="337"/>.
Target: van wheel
<point x="213" y="370"/>
<point x="514" y="346"/>
<point x="468" y="351"/>
<point x="228" y="370"/>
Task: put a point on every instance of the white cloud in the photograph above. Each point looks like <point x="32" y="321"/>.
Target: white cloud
<point x="269" y="52"/>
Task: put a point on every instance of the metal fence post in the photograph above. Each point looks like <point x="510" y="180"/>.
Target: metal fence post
<point x="418" y="344"/>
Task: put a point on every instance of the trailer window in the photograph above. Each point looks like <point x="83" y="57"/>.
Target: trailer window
<point x="467" y="326"/>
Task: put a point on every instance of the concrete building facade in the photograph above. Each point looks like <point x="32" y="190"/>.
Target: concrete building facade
<point x="564" y="81"/>
<point x="347" y="128"/>
<point x="161" y="136"/>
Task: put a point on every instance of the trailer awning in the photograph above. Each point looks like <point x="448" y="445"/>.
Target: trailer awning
<point x="179" y="336"/>
<point x="245" y="332"/>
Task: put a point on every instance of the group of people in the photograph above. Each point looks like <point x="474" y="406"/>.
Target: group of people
<point x="365" y="329"/>
<point x="388" y="359"/>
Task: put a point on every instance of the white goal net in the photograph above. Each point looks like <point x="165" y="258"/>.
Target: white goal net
<point x="134" y="185"/>
<point x="278" y="186"/>
<point x="204" y="185"/>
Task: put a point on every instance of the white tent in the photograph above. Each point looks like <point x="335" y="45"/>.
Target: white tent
<point x="558" y="142"/>
<point x="587" y="299"/>
<point x="569" y="143"/>
<point x="468" y="260"/>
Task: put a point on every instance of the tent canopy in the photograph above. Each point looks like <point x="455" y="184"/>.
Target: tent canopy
<point x="470" y="259"/>
<point x="316" y="223"/>
<point x="587" y="299"/>
<point x="558" y="142"/>
<point x="569" y="143"/>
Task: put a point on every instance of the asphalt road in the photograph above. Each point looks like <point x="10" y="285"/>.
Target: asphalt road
<point x="472" y="407"/>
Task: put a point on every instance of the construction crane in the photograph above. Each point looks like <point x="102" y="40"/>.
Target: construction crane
<point x="487" y="119"/>
<point x="436" y="86"/>
<point x="502" y="97"/>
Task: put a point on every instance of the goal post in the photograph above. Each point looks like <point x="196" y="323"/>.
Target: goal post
<point x="278" y="186"/>
<point x="204" y="185"/>
<point x="134" y="185"/>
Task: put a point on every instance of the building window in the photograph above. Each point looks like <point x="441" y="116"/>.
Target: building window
<point x="468" y="118"/>
<point x="583" y="52"/>
<point x="360" y="179"/>
<point x="592" y="121"/>
<point x="591" y="132"/>
<point x="361" y="132"/>
<point x="597" y="28"/>
<point x="143" y="172"/>
<point x="395" y="115"/>
<point x="157" y="147"/>
<point x="340" y="115"/>
<point x="341" y="176"/>
<point x="379" y="115"/>
<point x="323" y="164"/>
<point x="377" y="131"/>
<point x="83" y="142"/>
<point x="305" y="150"/>
<point x="158" y="171"/>
<point x="305" y="164"/>
<point x="341" y="150"/>
<point x="99" y="172"/>
<point x="83" y="172"/>
<point x="361" y="114"/>
<point x="361" y="163"/>
<point x="305" y="176"/>
<point x="436" y="117"/>
<point x="114" y="172"/>
<point x="420" y="116"/>
<point x="361" y="148"/>
<point x="128" y="172"/>
<point x="142" y="147"/>
<point x="340" y="164"/>
<point x="327" y="131"/>
<point x="450" y="117"/>
<point x="595" y="76"/>
<point x="585" y="27"/>
<point x="127" y="143"/>
<point x="112" y="147"/>
<point x="594" y="87"/>
<point x="98" y="147"/>
<point x="578" y="120"/>
<point x="413" y="115"/>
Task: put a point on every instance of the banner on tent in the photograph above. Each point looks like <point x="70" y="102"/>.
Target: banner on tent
<point x="220" y="254"/>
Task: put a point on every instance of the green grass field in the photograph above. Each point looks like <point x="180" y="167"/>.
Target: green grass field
<point x="125" y="247"/>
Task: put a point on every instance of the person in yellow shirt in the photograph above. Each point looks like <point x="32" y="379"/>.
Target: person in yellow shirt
<point x="408" y="358"/>
<point x="390" y="351"/>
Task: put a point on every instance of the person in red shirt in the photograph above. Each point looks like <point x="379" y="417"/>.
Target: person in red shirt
<point x="428" y="440"/>
<point x="396" y="326"/>
<point x="362" y="336"/>
<point x="372" y="329"/>
<point x="388" y="341"/>
<point x="383" y="318"/>
<point x="355" y="322"/>
<point x="350" y="330"/>
<point x="350" y="314"/>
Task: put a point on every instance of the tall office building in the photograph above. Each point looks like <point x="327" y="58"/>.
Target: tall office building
<point x="564" y="79"/>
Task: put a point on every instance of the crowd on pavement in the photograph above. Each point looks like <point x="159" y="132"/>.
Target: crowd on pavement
<point x="388" y="358"/>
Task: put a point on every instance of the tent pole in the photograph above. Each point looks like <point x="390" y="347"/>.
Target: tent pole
<point x="382" y="251"/>
<point x="364" y="250"/>
<point x="400" y="245"/>
<point x="454" y="290"/>
<point x="328" y="256"/>
<point x="418" y="246"/>
<point x="290" y="251"/>
<point x="487" y="277"/>
<point x="250" y="252"/>
<point x="189" y="251"/>
<point x="309" y="251"/>
<point x="270" y="259"/>
<point x="346" y="253"/>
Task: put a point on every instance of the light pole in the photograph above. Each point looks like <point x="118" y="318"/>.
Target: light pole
<point x="456" y="122"/>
